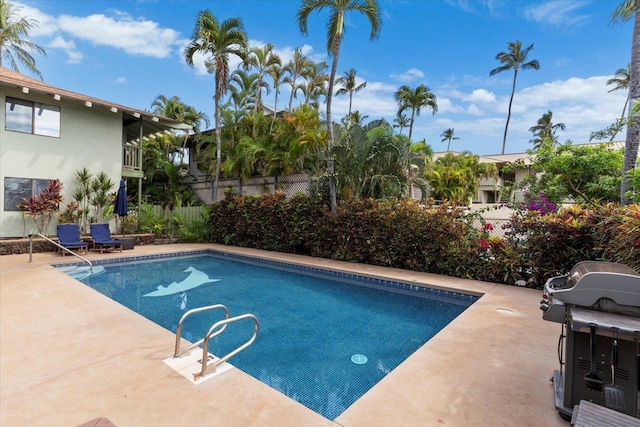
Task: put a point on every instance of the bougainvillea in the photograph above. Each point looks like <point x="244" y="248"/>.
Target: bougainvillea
<point x="539" y="202"/>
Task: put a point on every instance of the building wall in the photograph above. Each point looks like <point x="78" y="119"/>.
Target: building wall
<point x="89" y="137"/>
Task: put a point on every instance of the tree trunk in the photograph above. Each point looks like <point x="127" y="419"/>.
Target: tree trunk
<point x="633" y="128"/>
<point x="413" y="117"/>
<point x="330" y="165"/>
<point x="506" y="126"/>
<point x="218" y="141"/>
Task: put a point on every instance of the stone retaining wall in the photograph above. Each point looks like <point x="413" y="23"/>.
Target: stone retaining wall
<point x="21" y="246"/>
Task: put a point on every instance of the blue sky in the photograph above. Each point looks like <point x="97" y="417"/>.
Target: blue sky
<point x="129" y="52"/>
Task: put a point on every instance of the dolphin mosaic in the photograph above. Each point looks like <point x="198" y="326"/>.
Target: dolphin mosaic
<point x="196" y="278"/>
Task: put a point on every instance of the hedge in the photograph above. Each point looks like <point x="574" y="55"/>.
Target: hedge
<point x="441" y="240"/>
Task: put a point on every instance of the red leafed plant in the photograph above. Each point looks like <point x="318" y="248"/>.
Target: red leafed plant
<point x="43" y="206"/>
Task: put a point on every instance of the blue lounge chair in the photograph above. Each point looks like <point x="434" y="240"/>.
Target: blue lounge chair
<point x="69" y="237"/>
<point x="101" y="237"/>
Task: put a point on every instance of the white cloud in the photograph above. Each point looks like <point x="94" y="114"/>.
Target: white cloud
<point x="474" y="110"/>
<point x="480" y="95"/>
<point x="46" y="25"/>
<point x="136" y="37"/>
<point x="557" y="12"/>
<point x="122" y="81"/>
<point x="74" y="56"/>
<point x="408" y="76"/>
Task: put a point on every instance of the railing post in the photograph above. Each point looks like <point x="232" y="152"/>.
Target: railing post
<point x="30" y="247"/>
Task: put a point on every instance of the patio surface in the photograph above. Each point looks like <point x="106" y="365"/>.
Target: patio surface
<point x="69" y="355"/>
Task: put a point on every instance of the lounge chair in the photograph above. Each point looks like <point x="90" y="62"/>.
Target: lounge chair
<point x="69" y="237"/>
<point x="101" y="237"/>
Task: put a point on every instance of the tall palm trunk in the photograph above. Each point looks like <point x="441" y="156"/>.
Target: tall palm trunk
<point x="275" y="112"/>
<point x="633" y="128"/>
<point x="413" y="118"/>
<point x="218" y="141"/>
<point x="506" y="126"/>
<point x="330" y="163"/>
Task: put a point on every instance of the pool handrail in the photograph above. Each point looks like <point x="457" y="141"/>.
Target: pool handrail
<point x="222" y="324"/>
<point x="177" y="352"/>
<point x="58" y="245"/>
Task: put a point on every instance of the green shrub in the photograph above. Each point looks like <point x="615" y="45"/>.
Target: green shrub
<point x="151" y="222"/>
<point x="403" y="234"/>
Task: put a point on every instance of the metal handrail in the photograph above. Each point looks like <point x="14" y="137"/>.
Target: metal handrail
<point x="222" y="324"/>
<point x="58" y="245"/>
<point x="177" y="352"/>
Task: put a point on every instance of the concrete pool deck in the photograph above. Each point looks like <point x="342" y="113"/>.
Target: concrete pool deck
<point x="69" y="355"/>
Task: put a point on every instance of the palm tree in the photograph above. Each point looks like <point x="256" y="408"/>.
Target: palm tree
<point x="401" y="121"/>
<point x="262" y="60"/>
<point x="13" y="47"/>
<point x="447" y="135"/>
<point x="295" y="68"/>
<point x="217" y="41"/>
<point x="545" y="130"/>
<point x="625" y="11"/>
<point x="455" y="177"/>
<point x="348" y="82"/>
<point x="277" y="74"/>
<point x="335" y="33"/>
<point x="514" y="59"/>
<point x="174" y="108"/>
<point x="315" y="79"/>
<point x="621" y="81"/>
<point x="414" y="100"/>
<point x="242" y="86"/>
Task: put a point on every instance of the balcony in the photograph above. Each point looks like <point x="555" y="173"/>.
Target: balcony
<point x="131" y="161"/>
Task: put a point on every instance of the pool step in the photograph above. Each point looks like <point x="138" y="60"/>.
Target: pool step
<point x="80" y="272"/>
<point x="191" y="364"/>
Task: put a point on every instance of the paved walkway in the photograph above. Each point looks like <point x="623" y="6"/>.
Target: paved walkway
<point x="70" y="355"/>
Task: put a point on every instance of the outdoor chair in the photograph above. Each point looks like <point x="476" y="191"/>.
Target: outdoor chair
<point x="101" y="237"/>
<point x="69" y="238"/>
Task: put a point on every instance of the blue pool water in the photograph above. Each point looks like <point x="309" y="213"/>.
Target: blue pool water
<point x="324" y="341"/>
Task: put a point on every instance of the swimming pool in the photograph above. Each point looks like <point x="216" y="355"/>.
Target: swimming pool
<point x="323" y="341"/>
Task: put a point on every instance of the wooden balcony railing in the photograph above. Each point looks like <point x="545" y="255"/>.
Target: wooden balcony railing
<point x="131" y="161"/>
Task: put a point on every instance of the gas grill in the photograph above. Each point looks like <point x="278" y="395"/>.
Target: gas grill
<point x="598" y="305"/>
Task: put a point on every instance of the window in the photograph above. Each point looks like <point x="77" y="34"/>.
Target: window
<point x="17" y="189"/>
<point x="32" y="117"/>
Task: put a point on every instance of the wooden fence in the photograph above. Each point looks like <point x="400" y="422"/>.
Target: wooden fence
<point x="187" y="213"/>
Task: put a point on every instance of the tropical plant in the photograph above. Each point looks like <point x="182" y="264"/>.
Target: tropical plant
<point x="455" y="177"/>
<point x="217" y="41"/>
<point x="626" y="11"/>
<point x="583" y="173"/>
<point x="315" y="80"/>
<point x="42" y="207"/>
<point x="14" y="46"/>
<point x="621" y="81"/>
<point x="101" y="197"/>
<point x="349" y="86"/>
<point x="514" y="59"/>
<point x="335" y="33"/>
<point x="295" y="68"/>
<point x="242" y="88"/>
<point x="447" y="135"/>
<point x="415" y="99"/>
<point x="174" y="108"/>
<point x="262" y="59"/>
<point x="545" y="129"/>
<point x="277" y="74"/>
<point x="400" y="121"/>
